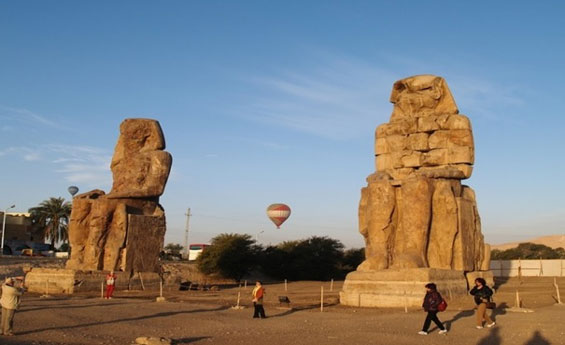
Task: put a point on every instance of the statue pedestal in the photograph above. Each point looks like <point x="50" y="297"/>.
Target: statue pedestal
<point x="399" y="287"/>
<point x="68" y="281"/>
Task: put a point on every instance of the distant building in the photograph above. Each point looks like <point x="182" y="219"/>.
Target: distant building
<point x="19" y="227"/>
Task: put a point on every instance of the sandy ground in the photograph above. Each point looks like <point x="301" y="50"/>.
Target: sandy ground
<point x="205" y="317"/>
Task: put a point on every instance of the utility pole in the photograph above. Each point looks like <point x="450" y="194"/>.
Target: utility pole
<point x="186" y="245"/>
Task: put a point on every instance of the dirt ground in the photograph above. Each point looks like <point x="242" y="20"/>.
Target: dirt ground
<point x="205" y="317"/>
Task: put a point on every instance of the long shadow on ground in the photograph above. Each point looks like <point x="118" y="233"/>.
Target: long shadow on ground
<point x="460" y="315"/>
<point x="301" y="308"/>
<point x="493" y="338"/>
<point x="145" y="317"/>
<point x="183" y="341"/>
<point x="32" y="307"/>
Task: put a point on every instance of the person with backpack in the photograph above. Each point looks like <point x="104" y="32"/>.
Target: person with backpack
<point x="482" y="295"/>
<point x="433" y="302"/>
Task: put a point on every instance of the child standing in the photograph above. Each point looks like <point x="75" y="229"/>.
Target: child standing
<point x="110" y="284"/>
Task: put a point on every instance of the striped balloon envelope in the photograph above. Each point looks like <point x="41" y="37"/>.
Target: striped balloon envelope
<point x="278" y="214"/>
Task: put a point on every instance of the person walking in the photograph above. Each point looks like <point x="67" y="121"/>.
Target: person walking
<point x="258" y="294"/>
<point x="430" y="305"/>
<point x="10" y="301"/>
<point x="110" y="284"/>
<point x="482" y="295"/>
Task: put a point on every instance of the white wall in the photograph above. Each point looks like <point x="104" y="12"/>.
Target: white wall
<point x="528" y="268"/>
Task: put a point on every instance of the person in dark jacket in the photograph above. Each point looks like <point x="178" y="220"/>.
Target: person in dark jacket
<point x="431" y="302"/>
<point x="482" y="295"/>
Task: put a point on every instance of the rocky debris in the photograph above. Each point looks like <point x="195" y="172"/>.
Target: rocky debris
<point x="125" y="229"/>
<point x="152" y="341"/>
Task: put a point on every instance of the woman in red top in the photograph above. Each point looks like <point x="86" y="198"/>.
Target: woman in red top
<point x="110" y="284"/>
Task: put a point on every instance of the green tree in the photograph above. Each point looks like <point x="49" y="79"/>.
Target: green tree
<point x="174" y="249"/>
<point x="528" y="251"/>
<point x="52" y="216"/>
<point x="231" y="255"/>
<point x="316" y="258"/>
<point x="352" y="258"/>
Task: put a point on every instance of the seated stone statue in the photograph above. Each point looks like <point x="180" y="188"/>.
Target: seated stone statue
<point x="124" y="230"/>
<point x="414" y="211"/>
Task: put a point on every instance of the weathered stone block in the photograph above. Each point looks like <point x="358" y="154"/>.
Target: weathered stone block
<point x="461" y="137"/>
<point x="461" y="154"/>
<point x="435" y="157"/>
<point x="438" y="140"/>
<point x="384" y="162"/>
<point x="381" y="146"/>
<point x="418" y="142"/>
<point x="443" y="227"/>
<point x="464" y="244"/>
<point x="412" y="160"/>
<point x="396" y="143"/>
<point x="457" y="121"/>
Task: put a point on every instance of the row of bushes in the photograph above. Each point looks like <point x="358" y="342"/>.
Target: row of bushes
<point x="315" y="258"/>
<point x="528" y="251"/>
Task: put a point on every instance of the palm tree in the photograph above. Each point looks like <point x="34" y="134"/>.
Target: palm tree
<point x="53" y="216"/>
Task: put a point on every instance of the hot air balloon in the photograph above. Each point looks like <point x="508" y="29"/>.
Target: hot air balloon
<point x="73" y="190"/>
<point x="278" y="214"/>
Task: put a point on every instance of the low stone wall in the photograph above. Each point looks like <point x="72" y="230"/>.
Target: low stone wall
<point x="69" y="281"/>
<point x="176" y="272"/>
<point x="11" y="266"/>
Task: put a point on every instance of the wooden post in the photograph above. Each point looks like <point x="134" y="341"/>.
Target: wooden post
<point x="557" y="290"/>
<point x="520" y="269"/>
<point x="238" y="298"/>
<point x="245" y="285"/>
<point x="322" y="299"/>
<point x="102" y="290"/>
<point x="141" y="280"/>
<point x="332" y="285"/>
<point x="540" y="267"/>
<point x="285" y="286"/>
<point x="449" y="293"/>
<point x="518" y="301"/>
<point x="405" y="302"/>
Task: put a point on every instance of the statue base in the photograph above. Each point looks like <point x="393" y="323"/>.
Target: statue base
<point x="399" y="287"/>
<point x="68" y="281"/>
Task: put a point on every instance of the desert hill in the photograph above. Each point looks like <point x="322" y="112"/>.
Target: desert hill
<point x="553" y="241"/>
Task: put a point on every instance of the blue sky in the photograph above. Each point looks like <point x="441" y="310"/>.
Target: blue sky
<point x="265" y="102"/>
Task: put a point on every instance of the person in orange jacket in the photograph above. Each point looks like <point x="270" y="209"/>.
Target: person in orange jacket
<point x="258" y="294"/>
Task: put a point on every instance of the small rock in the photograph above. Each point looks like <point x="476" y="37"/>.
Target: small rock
<point x="152" y="341"/>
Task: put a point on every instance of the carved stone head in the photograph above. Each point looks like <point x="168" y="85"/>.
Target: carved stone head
<point x="421" y="95"/>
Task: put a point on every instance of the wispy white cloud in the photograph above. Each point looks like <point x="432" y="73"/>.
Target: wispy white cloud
<point x="85" y="165"/>
<point x="22" y="116"/>
<point x="340" y="96"/>
<point x="335" y="99"/>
